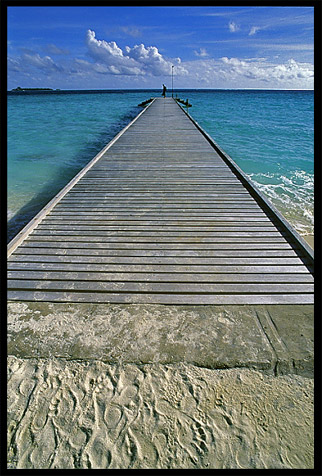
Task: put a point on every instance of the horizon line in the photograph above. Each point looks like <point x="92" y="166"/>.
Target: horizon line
<point x="153" y="89"/>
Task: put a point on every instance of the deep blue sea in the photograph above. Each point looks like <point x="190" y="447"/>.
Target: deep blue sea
<point x="269" y="134"/>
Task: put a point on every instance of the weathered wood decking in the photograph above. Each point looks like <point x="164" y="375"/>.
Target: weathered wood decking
<point x="160" y="216"/>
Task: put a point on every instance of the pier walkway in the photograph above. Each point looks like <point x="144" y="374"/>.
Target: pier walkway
<point x="160" y="216"/>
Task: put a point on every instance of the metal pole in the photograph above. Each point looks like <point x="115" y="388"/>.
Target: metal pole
<point x="172" y="79"/>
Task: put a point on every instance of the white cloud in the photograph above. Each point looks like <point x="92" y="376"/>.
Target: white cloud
<point x="55" y="50"/>
<point x="139" y="60"/>
<point x="30" y="61"/>
<point x="149" y="59"/>
<point x="201" y="53"/>
<point x="131" y="31"/>
<point x="254" y="30"/>
<point x="40" y="62"/>
<point x="292" y="70"/>
<point x="283" y="46"/>
<point x="233" y="61"/>
<point x="263" y="71"/>
<point x="248" y="73"/>
<point x="233" y="27"/>
<point x="13" y="65"/>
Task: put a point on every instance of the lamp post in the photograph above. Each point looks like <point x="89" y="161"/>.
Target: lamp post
<point x="172" y="79"/>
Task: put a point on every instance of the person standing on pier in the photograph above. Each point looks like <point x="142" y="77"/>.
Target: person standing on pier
<point x="164" y="90"/>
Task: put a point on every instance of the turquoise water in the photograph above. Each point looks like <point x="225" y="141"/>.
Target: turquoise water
<point x="269" y="134"/>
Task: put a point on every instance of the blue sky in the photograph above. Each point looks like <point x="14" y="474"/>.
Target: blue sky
<point x="136" y="47"/>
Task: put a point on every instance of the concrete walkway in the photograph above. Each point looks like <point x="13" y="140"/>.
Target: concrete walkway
<point x="274" y="338"/>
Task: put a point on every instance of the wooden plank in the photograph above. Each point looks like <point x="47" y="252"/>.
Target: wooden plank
<point x="163" y="260"/>
<point x="215" y="197"/>
<point x="136" y="214"/>
<point x="150" y="298"/>
<point x="136" y="227"/>
<point x="171" y="178"/>
<point x="162" y="277"/>
<point x="155" y="220"/>
<point x="157" y="268"/>
<point x="206" y="206"/>
<point x="238" y="247"/>
<point x="198" y="209"/>
<point x="123" y="173"/>
<point x="236" y="232"/>
<point x="158" y="252"/>
<point x="157" y="191"/>
<point x="193" y="239"/>
<point x="155" y="187"/>
<point x="229" y="203"/>
<point x="172" y="288"/>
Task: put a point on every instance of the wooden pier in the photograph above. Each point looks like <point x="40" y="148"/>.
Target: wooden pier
<point x="161" y="215"/>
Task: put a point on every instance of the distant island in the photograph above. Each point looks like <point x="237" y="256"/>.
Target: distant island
<point x="34" y="89"/>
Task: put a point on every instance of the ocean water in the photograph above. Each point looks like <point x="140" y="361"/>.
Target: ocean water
<point x="269" y="134"/>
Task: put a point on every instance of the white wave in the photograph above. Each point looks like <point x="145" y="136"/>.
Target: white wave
<point x="292" y="196"/>
<point x="10" y="214"/>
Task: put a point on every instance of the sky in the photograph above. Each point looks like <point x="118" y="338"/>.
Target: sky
<point x="142" y="47"/>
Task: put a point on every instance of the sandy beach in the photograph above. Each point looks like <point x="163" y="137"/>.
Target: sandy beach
<point x="96" y="415"/>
